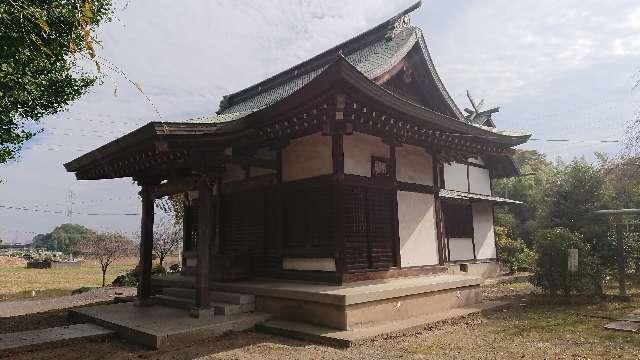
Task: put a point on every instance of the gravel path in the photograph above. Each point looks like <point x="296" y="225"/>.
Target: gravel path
<point x="23" y="307"/>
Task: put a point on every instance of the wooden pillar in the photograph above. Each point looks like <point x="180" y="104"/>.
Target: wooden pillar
<point x="206" y="234"/>
<point x="395" y="220"/>
<point x="146" y="244"/>
<point x="186" y="225"/>
<point x="337" y="155"/>
<point x="617" y="221"/>
<point x="437" y="185"/>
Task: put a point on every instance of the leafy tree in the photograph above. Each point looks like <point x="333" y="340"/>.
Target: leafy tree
<point x="621" y="180"/>
<point x="41" y="45"/>
<point x="552" y="274"/>
<point x="63" y="238"/>
<point x="106" y="248"/>
<point x="532" y="189"/>
<point x="578" y="192"/>
<point x="513" y="253"/>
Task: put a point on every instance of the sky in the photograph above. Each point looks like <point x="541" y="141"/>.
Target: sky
<point x="558" y="70"/>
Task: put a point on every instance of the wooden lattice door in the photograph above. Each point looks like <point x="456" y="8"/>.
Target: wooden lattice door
<point x="369" y="238"/>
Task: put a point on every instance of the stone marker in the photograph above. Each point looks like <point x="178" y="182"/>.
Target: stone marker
<point x="623" y="326"/>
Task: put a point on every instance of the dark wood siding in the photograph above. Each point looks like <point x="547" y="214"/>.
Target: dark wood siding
<point x="308" y="212"/>
<point x="369" y="238"/>
<point x="243" y="222"/>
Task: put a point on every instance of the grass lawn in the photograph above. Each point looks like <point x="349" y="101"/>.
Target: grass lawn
<point x="18" y="282"/>
<point x="533" y="329"/>
<point x="536" y="329"/>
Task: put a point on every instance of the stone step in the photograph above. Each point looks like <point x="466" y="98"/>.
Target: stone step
<point x="162" y="327"/>
<point x="220" y="308"/>
<point x="175" y="302"/>
<point x="217" y="296"/>
<point x="55" y="336"/>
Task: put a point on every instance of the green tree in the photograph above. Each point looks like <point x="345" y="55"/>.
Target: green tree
<point x="578" y="192"/>
<point x="63" y="238"/>
<point x="513" y="253"/>
<point x="41" y="45"/>
<point x="552" y="273"/>
<point x="532" y="189"/>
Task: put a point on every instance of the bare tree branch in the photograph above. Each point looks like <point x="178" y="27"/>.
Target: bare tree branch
<point x="167" y="235"/>
<point x="105" y="248"/>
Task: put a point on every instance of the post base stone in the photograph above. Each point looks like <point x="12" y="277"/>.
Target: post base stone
<point x="202" y="313"/>
<point x="144" y="302"/>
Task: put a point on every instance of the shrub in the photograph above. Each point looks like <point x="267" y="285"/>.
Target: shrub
<point x="81" y="290"/>
<point x="132" y="276"/>
<point x="513" y="253"/>
<point x="552" y="274"/>
<point x="174" y="268"/>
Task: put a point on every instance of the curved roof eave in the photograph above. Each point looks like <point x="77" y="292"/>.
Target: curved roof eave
<point x="343" y="70"/>
<point x="436" y="77"/>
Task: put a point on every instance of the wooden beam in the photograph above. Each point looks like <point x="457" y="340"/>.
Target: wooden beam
<point x="146" y="245"/>
<point x="251" y="161"/>
<point x="175" y="186"/>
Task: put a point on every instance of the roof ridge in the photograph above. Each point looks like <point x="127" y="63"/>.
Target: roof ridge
<point x="353" y="44"/>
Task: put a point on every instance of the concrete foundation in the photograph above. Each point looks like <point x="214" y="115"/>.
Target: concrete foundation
<point x="345" y="338"/>
<point x="359" y="304"/>
<point x="483" y="269"/>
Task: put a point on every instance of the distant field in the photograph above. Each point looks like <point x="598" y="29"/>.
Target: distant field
<point x="18" y="282"/>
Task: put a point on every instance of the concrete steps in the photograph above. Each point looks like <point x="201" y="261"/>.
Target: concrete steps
<point x="11" y="343"/>
<point x="223" y="303"/>
<point x="163" y="327"/>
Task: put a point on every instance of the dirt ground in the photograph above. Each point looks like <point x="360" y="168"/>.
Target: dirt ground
<point x="532" y="329"/>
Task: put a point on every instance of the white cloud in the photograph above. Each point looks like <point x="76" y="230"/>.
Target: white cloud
<point x="186" y="56"/>
<point x="516" y="46"/>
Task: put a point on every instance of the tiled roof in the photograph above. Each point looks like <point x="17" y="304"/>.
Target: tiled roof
<point x="372" y="61"/>
<point x="454" y="194"/>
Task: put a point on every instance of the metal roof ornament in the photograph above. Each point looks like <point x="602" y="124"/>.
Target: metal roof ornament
<point x="478" y="116"/>
<point x="401" y="23"/>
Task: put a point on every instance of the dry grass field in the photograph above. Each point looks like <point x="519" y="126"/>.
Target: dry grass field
<point x="18" y="282"/>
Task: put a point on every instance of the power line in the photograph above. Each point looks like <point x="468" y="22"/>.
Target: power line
<point x="66" y="213"/>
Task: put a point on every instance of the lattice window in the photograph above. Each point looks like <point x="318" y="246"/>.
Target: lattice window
<point x="380" y="167"/>
<point x="458" y="220"/>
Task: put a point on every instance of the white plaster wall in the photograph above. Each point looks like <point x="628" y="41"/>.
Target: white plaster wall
<point x="358" y="149"/>
<point x="233" y="172"/>
<point x="483" y="230"/>
<point x="455" y="177"/>
<point x="414" y="165"/>
<point x="418" y="240"/>
<point x="317" y="264"/>
<point x="479" y="180"/>
<point x="306" y="157"/>
<point x="460" y="249"/>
